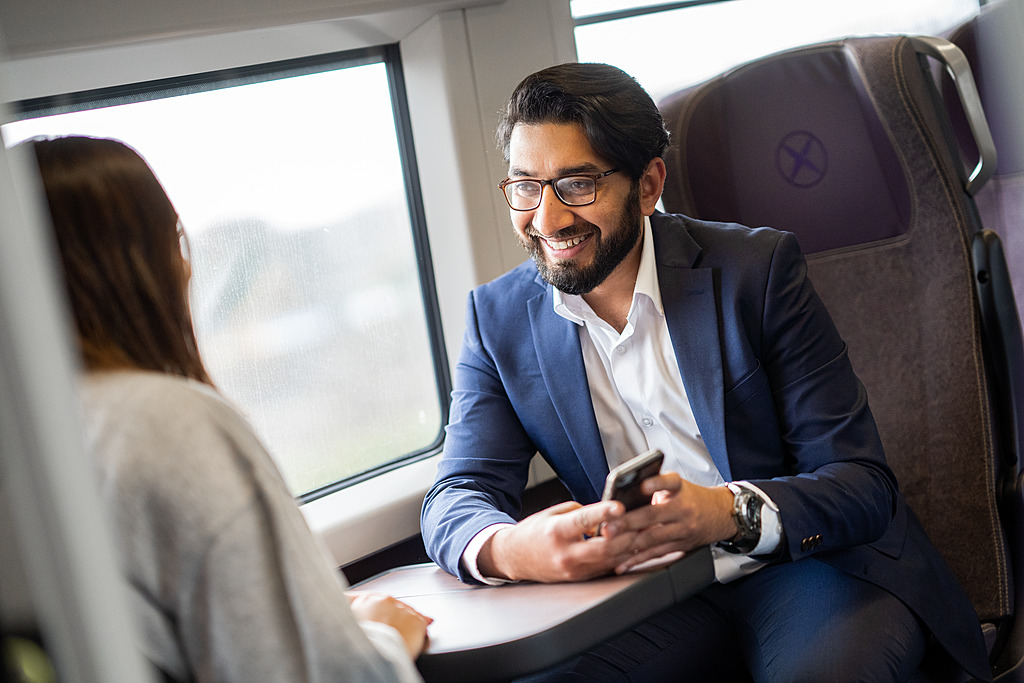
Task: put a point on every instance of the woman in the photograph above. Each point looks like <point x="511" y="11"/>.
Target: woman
<point x="227" y="582"/>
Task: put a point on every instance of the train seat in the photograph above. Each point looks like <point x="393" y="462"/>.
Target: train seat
<point x="847" y="145"/>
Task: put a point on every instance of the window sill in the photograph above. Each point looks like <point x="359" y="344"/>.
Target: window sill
<point x="362" y="519"/>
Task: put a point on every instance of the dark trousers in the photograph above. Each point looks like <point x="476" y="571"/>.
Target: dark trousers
<point x="800" y="621"/>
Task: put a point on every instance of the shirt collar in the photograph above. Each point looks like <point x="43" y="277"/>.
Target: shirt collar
<point x="573" y="308"/>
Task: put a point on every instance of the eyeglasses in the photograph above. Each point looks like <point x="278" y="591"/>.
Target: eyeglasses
<point x="186" y="249"/>
<point x="578" y="189"/>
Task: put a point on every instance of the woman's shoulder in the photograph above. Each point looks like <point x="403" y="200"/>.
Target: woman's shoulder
<point x="156" y="432"/>
<point x="169" y="406"/>
<point x="139" y="391"/>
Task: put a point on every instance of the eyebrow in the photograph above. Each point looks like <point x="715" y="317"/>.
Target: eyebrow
<point x="516" y="172"/>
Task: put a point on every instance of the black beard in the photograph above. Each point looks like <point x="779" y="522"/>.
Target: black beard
<point x="570" y="278"/>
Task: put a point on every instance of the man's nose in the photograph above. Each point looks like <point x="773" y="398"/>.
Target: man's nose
<point x="552" y="214"/>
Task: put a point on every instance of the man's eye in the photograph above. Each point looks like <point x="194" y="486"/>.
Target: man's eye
<point x="576" y="186"/>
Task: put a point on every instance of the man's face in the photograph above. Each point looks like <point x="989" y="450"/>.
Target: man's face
<point x="575" y="247"/>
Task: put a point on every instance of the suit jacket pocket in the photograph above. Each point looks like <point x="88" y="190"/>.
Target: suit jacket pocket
<point x="755" y="380"/>
<point x="752" y="433"/>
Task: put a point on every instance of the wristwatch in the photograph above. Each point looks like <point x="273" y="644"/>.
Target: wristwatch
<point x="746" y="512"/>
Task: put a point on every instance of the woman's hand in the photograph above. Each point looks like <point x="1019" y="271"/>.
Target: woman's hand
<point x="384" y="609"/>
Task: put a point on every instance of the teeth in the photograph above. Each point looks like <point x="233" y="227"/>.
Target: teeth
<point x="568" y="243"/>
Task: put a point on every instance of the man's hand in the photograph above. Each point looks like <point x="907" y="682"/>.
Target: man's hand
<point x="681" y="517"/>
<point x="558" y="544"/>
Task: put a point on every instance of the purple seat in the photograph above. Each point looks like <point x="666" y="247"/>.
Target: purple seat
<point x="847" y="145"/>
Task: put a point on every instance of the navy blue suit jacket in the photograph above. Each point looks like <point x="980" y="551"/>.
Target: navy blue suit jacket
<point x="772" y="390"/>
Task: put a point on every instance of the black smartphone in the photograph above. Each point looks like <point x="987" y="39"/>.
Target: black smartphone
<point x="623" y="482"/>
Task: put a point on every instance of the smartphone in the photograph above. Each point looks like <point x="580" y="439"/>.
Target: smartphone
<point x="623" y="482"/>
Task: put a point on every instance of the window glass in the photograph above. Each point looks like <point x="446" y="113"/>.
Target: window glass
<point x="306" y="288"/>
<point x="671" y="49"/>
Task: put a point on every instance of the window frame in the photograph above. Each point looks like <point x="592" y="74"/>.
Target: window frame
<point x="654" y="8"/>
<point x="390" y="56"/>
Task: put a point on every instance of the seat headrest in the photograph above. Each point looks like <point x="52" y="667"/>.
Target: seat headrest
<point x="791" y="141"/>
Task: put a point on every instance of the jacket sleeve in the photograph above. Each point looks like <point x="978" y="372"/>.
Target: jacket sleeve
<point x="836" y="489"/>
<point x="487" y="454"/>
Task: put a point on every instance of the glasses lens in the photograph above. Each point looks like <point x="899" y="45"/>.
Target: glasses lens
<point x="523" y="195"/>
<point x="576" y="190"/>
<point x="186" y="249"/>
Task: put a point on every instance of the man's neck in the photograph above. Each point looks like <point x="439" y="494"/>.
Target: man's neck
<point x="611" y="299"/>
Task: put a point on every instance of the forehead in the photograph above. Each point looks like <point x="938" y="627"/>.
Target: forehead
<point x="546" y="150"/>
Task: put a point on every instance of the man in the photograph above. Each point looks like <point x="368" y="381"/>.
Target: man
<point x="631" y="329"/>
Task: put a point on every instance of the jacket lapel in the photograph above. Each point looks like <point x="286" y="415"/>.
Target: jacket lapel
<point x="688" y="295"/>
<point x="561" y="364"/>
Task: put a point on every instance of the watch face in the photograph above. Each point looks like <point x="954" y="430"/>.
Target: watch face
<point x="747" y="515"/>
<point x="752" y="513"/>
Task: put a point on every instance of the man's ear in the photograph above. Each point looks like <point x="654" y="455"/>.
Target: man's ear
<point x="652" y="182"/>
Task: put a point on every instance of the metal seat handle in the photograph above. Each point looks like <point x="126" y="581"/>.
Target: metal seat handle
<point x="959" y="70"/>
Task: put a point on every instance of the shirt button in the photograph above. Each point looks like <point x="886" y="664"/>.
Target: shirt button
<point x="647" y="422"/>
<point x="620" y="349"/>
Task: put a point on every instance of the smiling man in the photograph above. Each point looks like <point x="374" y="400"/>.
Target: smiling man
<point x="629" y="330"/>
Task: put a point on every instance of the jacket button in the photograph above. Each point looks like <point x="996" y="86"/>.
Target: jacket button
<point x="811" y="542"/>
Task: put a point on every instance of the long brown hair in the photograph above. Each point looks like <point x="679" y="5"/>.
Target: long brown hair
<point x="118" y="243"/>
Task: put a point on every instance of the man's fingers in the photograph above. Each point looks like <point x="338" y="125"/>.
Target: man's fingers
<point x="562" y="508"/>
<point x="583" y="521"/>
<point x="668" y="481"/>
<point x="641" y="556"/>
<point x="589" y="517"/>
<point x="639" y="518"/>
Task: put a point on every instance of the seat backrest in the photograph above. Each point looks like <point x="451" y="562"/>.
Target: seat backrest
<point x="844" y="145"/>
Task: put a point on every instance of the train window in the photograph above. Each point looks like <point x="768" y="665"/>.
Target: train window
<point x="670" y="45"/>
<point x="312" y="289"/>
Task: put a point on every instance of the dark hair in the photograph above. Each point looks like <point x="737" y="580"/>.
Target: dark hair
<point x="619" y="118"/>
<point x="118" y="244"/>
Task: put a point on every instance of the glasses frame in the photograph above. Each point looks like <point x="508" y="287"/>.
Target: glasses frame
<point x="183" y="243"/>
<point x="551" y="181"/>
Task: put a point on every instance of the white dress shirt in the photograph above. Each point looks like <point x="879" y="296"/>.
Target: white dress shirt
<point x="640" y="403"/>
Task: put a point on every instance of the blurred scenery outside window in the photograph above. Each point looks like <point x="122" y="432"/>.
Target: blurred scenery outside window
<point x="306" y="287"/>
<point x="668" y="46"/>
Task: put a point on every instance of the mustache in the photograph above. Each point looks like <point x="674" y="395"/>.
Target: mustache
<point x="578" y="227"/>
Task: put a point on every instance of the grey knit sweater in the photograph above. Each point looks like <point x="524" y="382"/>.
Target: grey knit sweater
<point x="226" y="581"/>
